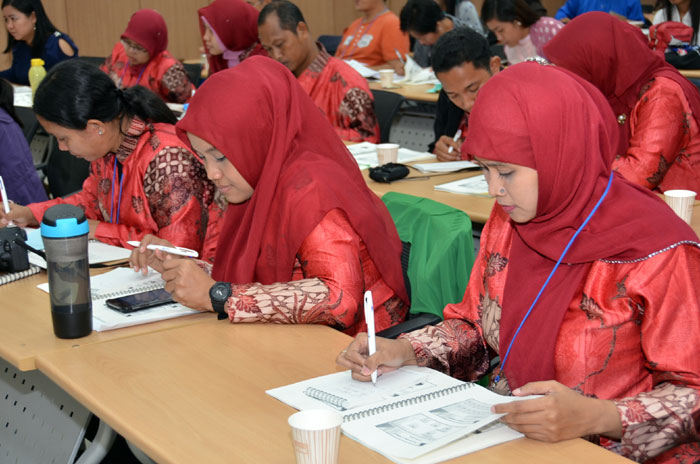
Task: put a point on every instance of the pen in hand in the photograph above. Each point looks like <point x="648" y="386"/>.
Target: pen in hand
<point x="5" y="200"/>
<point x="371" y="339"/>
<point x="454" y="139"/>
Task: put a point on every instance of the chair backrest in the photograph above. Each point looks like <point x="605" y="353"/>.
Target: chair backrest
<point x="93" y="60"/>
<point x="442" y="250"/>
<point x="386" y="106"/>
<point x="65" y="172"/>
<point x="330" y="42"/>
<point x="194" y="72"/>
<point x="29" y="121"/>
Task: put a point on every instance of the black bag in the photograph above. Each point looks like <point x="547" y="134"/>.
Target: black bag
<point x="683" y="58"/>
<point x="388" y="172"/>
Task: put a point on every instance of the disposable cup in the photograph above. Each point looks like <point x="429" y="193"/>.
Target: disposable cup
<point x="681" y="202"/>
<point x="316" y="436"/>
<point x="386" y="78"/>
<point x="387" y="153"/>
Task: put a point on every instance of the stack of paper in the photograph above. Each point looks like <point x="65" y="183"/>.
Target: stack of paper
<point x="23" y="96"/>
<point x="98" y="252"/>
<point x="448" y="166"/>
<point x="470" y="186"/>
<point x="363" y="70"/>
<point x="365" y="155"/>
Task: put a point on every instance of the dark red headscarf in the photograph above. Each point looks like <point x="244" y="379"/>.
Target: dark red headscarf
<point x="235" y="23"/>
<point x="148" y="29"/>
<point x="259" y="117"/>
<point x="551" y="120"/>
<point x="616" y="58"/>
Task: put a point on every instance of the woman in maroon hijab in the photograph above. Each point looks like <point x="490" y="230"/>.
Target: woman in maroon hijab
<point x="230" y="33"/>
<point x="657" y="109"/>
<point x="303" y="237"/>
<point x="584" y="297"/>
<point x="141" y="58"/>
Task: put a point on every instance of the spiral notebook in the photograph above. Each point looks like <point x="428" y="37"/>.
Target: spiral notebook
<point x="121" y="282"/>
<point x="412" y="415"/>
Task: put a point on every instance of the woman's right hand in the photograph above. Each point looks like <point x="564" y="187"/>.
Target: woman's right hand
<point x="21" y="216"/>
<point x="390" y="355"/>
<point x="141" y="257"/>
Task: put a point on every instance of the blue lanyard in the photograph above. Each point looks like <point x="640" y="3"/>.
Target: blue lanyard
<point x="128" y="65"/>
<point x="527" y="314"/>
<point x="119" y="201"/>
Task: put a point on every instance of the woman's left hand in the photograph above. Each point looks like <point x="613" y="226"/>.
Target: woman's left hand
<point x="187" y="283"/>
<point x="561" y="414"/>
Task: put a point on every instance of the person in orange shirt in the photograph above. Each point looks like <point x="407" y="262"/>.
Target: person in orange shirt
<point x="375" y="38"/>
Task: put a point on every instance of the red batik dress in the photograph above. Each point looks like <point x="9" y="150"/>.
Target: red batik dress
<point x="162" y="74"/>
<point x="164" y="191"/>
<point x="343" y="96"/>
<point x="331" y="273"/>
<point x="630" y="334"/>
<point x="664" y="146"/>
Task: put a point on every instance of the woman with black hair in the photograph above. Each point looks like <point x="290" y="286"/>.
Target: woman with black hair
<point x="143" y="178"/>
<point x="517" y="26"/>
<point x="682" y="11"/>
<point x="30" y="34"/>
<point x="16" y="166"/>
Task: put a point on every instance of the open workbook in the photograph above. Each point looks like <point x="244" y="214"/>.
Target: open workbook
<point x="412" y="415"/>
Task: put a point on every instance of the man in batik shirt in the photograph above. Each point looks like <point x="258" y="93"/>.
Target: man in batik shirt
<point x="338" y="90"/>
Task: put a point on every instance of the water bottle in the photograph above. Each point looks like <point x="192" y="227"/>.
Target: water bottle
<point x="64" y="230"/>
<point x="36" y="74"/>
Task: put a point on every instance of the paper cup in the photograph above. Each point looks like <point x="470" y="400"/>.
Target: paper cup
<point x="316" y="436"/>
<point x="681" y="202"/>
<point x="386" y="78"/>
<point x="387" y="153"/>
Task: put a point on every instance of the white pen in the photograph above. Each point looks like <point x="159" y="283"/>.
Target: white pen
<point x="5" y="200"/>
<point x="454" y="139"/>
<point x="371" y="339"/>
<point x="398" y="53"/>
<point x="172" y="250"/>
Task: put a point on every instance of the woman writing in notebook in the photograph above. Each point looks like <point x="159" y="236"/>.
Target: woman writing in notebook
<point x="143" y="179"/>
<point x="142" y="58"/>
<point x="606" y="334"/>
<point x="303" y="237"/>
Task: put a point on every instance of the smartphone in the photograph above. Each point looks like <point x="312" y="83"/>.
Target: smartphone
<point x="131" y="303"/>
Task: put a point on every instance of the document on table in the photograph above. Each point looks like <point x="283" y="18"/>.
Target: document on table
<point x="22" y="96"/>
<point x="363" y="70"/>
<point x="470" y="186"/>
<point x="413" y="415"/>
<point x="98" y="252"/>
<point x="447" y="166"/>
<point x="124" y="281"/>
<point x="365" y="154"/>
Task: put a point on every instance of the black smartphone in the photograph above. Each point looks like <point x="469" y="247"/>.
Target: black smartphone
<point x="131" y="303"/>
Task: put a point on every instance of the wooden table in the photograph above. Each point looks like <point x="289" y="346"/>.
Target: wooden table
<point x="26" y="329"/>
<point x="197" y="394"/>
<point x="410" y="92"/>
<point x="690" y="73"/>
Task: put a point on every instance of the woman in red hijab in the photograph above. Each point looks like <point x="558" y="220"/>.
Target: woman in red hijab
<point x="584" y="297"/>
<point x="303" y="237"/>
<point x="141" y="58"/>
<point x="230" y="33"/>
<point x="657" y="109"/>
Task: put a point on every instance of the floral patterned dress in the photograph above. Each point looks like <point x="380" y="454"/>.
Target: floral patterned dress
<point x="631" y="334"/>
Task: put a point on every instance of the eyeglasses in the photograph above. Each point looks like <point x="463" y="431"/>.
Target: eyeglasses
<point x="134" y="46"/>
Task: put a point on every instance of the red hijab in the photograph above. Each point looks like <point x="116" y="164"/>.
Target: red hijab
<point x="615" y="57"/>
<point x="550" y="120"/>
<point x="258" y="116"/>
<point x="148" y="29"/>
<point x="235" y="23"/>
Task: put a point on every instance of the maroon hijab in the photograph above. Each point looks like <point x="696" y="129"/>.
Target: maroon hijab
<point x="259" y="117"/>
<point x="236" y="24"/>
<point x="148" y="29"/>
<point x="550" y="120"/>
<point x="615" y="57"/>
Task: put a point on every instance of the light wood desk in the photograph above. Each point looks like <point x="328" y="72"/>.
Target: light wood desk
<point x="197" y="394"/>
<point x="26" y="329"/>
<point x="410" y="92"/>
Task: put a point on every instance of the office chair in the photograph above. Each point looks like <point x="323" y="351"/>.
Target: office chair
<point x="330" y="42"/>
<point x="65" y="173"/>
<point x="96" y="61"/>
<point x="386" y="106"/>
<point x="194" y="72"/>
<point x="29" y="121"/>
<point x="440" y="259"/>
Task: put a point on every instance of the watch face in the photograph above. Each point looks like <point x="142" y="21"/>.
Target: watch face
<point x="220" y="291"/>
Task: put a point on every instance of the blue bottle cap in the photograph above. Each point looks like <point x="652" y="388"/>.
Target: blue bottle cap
<point x="64" y="221"/>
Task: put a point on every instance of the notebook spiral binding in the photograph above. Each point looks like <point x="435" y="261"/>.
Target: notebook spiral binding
<point x="407" y="402"/>
<point x="127" y="292"/>
<point x="328" y="398"/>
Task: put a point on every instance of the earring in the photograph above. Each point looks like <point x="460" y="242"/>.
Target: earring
<point x="518" y="23"/>
<point x="502" y="191"/>
<point x="99" y="132"/>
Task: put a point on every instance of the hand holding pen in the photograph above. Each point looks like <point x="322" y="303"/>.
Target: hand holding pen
<point x="14" y="214"/>
<point x="448" y="148"/>
<point x="152" y="251"/>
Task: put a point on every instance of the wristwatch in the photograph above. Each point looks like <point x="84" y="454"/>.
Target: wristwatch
<point x="219" y="294"/>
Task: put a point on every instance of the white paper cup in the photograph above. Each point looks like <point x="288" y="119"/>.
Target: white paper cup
<point x="681" y="202"/>
<point x="386" y="78"/>
<point x="387" y="153"/>
<point x="316" y="436"/>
